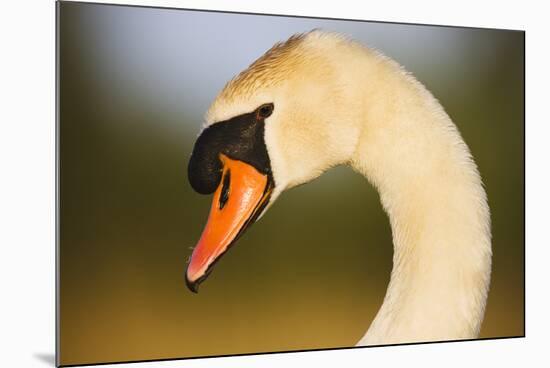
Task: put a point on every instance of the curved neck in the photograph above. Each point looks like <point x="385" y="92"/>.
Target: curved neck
<point x="410" y="150"/>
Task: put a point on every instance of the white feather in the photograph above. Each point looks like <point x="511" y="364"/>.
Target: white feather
<point x="338" y="102"/>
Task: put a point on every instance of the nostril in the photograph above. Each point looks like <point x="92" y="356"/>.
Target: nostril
<point x="224" y="196"/>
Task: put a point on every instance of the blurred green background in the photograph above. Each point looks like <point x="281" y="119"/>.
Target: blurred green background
<point x="134" y="85"/>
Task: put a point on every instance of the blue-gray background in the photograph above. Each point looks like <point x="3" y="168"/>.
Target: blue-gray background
<point x="134" y="86"/>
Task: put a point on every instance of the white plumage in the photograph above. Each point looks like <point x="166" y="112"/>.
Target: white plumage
<point x="338" y="102"/>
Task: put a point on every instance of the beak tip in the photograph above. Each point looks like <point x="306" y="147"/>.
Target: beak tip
<point x="192" y="285"/>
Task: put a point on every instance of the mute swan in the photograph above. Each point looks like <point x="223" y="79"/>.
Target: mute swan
<point x="319" y="100"/>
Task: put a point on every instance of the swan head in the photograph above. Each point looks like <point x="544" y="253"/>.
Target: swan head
<point x="278" y="124"/>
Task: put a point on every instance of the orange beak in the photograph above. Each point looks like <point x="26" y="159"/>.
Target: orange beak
<point x="242" y="194"/>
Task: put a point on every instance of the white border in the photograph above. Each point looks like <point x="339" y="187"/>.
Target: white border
<point x="27" y="181"/>
<point x="465" y="13"/>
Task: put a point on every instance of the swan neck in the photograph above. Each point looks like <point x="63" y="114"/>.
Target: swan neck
<point x="430" y="188"/>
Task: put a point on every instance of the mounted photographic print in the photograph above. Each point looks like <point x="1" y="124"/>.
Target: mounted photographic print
<point x="236" y="183"/>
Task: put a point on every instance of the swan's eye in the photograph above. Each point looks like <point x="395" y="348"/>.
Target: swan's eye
<point x="265" y="111"/>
